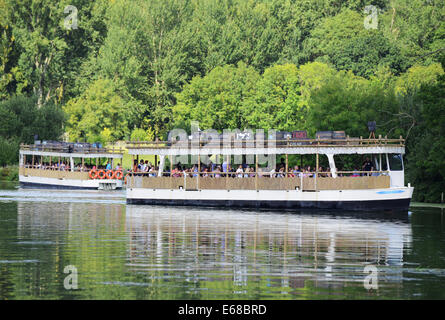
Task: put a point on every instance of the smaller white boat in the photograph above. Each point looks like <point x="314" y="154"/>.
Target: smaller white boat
<point x="70" y="166"/>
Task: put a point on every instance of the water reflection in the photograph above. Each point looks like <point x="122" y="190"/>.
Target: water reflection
<point x="154" y="252"/>
<point x="274" y="250"/>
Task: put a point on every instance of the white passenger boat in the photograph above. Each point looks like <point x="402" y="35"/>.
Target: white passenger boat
<point x="69" y="166"/>
<point x="383" y="188"/>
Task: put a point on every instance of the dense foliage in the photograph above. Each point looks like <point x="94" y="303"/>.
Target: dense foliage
<point x="138" y="68"/>
<point x="21" y="121"/>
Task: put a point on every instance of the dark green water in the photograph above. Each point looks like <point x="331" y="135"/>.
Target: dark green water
<point x="142" y="252"/>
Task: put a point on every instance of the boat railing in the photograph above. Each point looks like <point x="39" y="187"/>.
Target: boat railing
<point x="71" y="148"/>
<point x="310" y="181"/>
<point x="66" y="172"/>
<point x="250" y="143"/>
<point x="66" y="168"/>
<point x="219" y="174"/>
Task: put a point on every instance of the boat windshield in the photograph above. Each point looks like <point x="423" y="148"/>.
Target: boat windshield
<point x="395" y="162"/>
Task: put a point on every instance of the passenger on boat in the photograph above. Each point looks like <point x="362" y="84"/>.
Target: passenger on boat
<point x="108" y="166"/>
<point x="225" y="167"/>
<point x="281" y="173"/>
<point x="367" y="165"/>
<point x="194" y="171"/>
<point x="239" y="171"/>
<point x="355" y="173"/>
<point x="218" y="172"/>
<point x="152" y="172"/>
<point x="141" y="166"/>
<point x="176" y="172"/>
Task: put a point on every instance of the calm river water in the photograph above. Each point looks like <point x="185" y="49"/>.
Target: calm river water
<point x="151" y="252"/>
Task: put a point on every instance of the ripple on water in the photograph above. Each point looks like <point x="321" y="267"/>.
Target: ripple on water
<point x="18" y="261"/>
<point x="35" y="242"/>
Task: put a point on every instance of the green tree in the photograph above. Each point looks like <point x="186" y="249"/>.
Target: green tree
<point x="21" y="120"/>
<point x="365" y="54"/>
<point x="97" y="115"/>
<point x="425" y="165"/>
<point x="411" y="81"/>
<point x="276" y="102"/>
<point x="216" y="100"/>
<point x="417" y="27"/>
<point x="347" y="102"/>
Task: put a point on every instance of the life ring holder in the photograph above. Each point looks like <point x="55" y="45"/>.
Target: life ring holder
<point x="118" y="175"/>
<point x="91" y="175"/>
<point x="109" y="174"/>
<point x="101" y="174"/>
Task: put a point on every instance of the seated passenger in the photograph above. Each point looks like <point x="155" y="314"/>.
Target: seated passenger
<point x="239" y="171"/>
<point x="246" y="172"/>
<point x="141" y="166"/>
<point x="296" y="171"/>
<point x="218" y="172"/>
<point x="194" y="170"/>
<point x="307" y="173"/>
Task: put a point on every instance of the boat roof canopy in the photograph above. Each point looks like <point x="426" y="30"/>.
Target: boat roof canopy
<point x="68" y="150"/>
<point x="242" y="147"/>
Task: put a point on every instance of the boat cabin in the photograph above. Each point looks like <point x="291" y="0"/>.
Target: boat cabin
<point x="70" y="165"/>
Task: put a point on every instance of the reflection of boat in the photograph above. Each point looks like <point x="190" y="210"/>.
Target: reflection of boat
<point x="193" y="252"/>
<point x="381" y="188"/>
<point x="296" y="245"/>
<point x="43" y="165"/>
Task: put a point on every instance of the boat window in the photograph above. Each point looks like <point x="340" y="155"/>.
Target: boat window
<point x="384" y="165"/>
<point x="395" y="162"/>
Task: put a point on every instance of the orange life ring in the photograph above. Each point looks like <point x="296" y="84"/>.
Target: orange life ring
<point x="109" y="174"/>
<point x="90" y="174"/>
<point x="101" y="174"/>
<point x="118" y="175"/>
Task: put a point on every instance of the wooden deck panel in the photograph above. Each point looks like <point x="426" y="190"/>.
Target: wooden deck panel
<point x="53" y="174"/>
<point x="309" y="184"/>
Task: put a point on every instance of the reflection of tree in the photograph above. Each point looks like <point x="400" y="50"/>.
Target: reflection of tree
<point x="7" y="231"/>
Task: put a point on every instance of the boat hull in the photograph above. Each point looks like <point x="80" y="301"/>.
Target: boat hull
<point x="54" y="183"/>
<point x="394" y="199"/>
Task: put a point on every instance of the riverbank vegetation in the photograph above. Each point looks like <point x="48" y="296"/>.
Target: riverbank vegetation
<point x="134" y="69"/>
<point x="9" y="173"/>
